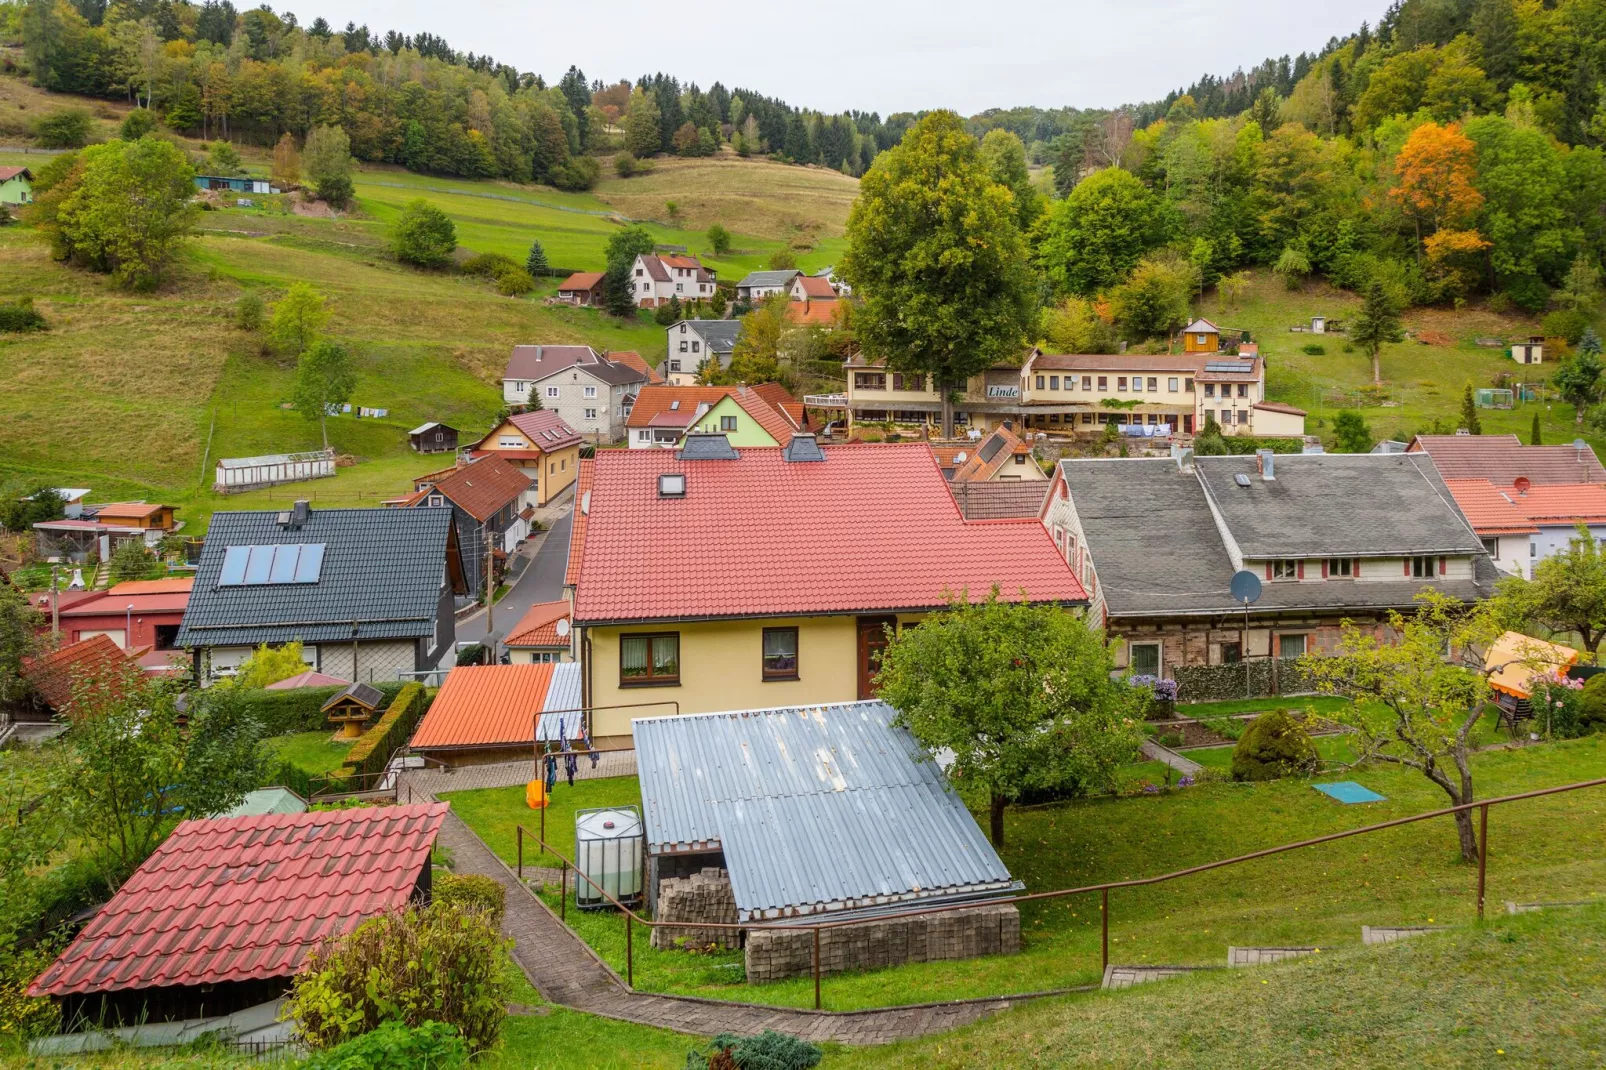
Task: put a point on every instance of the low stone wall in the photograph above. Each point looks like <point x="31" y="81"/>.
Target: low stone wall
<point x="703" y="897"/>
<point x="774" y="954"/>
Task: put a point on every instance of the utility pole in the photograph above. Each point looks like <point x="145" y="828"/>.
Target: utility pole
<point x="490" y="594"/>
<point x="55" y="604"/>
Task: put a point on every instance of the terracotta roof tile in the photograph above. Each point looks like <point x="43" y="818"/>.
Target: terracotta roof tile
<point x="1487" y="510"/>
<point x="823" y="313"/>
<point x="815" y="287"/>
<point x="871" y="528"/>
<point x="57" y="674"/>
<point x="539" y="626"/>
<point x="577" y="528"/>
<point x="544" y="427"/>
<point x="482" y="488"/>
<point x="245" y="898"/>
<point x="485" y="705"/>
<point x="654" y="400"/>
<point x="631" y="359"/>
<point x="1501" y="459"/>
<point x="172" y="585"/>
<point x="1555" y="503"/>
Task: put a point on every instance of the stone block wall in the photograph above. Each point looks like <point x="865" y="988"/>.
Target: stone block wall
<point x="774" y="954"/>
<point x="704" y="897"/>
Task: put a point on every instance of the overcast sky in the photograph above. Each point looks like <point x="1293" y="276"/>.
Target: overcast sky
<point x="880" y="55"/>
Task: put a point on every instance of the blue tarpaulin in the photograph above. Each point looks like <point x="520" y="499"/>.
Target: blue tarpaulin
<point x="1347" y="791"/>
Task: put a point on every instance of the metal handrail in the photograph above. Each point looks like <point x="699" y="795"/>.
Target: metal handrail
<point x="1104" y="889"/>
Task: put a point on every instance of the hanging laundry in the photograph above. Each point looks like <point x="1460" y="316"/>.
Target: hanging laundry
<point x="551" y="773"/>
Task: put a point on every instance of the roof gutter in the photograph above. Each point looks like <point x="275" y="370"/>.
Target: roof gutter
<point x="603" y="622"/>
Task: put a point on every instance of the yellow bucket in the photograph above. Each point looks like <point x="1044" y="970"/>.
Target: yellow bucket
<point x="535" y="794"/>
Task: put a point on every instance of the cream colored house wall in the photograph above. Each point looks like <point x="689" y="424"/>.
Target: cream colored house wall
<point x="1268" y="424"/>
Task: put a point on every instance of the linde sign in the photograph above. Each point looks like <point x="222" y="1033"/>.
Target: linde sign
<point x="1003" y="391"/>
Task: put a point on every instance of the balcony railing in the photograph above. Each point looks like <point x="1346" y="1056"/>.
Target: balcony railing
<point x="825" y="401"/>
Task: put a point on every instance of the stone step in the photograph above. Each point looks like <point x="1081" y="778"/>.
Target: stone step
<point x="1262" y="956"/>
<point x="1127" y="976"/>
<point x="1529" y="908"/>
<point x="1388" y="934"/>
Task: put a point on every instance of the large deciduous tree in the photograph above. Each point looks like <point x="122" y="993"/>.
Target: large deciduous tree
<point x="324" y="380"/>
<point x="1095" y="237"/>
<point x="326" y="163"/>
<point x="298" y="318"/>
<point x="128" y="210"/>
<point x="1021" y="694"/>
<point x="1567" y="594"/>
<point x="936" y="256"/>
<point x="424" y="235"/>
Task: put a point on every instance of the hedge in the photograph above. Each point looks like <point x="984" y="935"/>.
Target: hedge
<point x="370" y="753"/>
<point x="301" y="709"/>
<point x="289" y="775"/>
<point x="1267" y="677"/>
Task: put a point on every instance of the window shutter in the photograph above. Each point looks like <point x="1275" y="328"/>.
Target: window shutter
<point x="1299" y="572"/>
<point x="1408" y="566"/>
<point x="1355" y="569"/>
<point x="1442" y="566"/>
<point x="1324" y="568"/>
<point x="1268" y="570"/>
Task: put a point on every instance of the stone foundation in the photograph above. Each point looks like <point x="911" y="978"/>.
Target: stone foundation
<point x="774" y="954"/>
<point x="704" y="897"/>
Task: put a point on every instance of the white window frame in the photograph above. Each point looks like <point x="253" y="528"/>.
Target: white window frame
<point x="1159" y="657"/>
<point x="1285" y="568"/>
<point x="553" y="392"/>
<point x="589" y="392"/>
<point x="591" y="414"/>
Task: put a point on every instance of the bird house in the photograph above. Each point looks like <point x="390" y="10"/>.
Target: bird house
<point x="353" y="708"/>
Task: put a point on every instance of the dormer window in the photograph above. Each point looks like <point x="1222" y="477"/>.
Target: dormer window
<point x="672" y="485"/>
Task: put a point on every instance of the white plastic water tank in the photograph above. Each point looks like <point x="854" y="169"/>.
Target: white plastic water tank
<point x="608" y="847"/>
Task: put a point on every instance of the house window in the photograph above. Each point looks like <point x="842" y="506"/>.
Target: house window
<point x="1187" y="384"/>
<point x="1491" y="547"/>
<point x="727" y="423"/>
<point x="1053" y="381"/>
<point x="694" y="348"/>
<point x="1087" y="417"/>
<point x="1171" y="384"/>
<point x="680" y="287"/>
<point x="1154" y="384"/>
<point x="1232" y="653"/>
<point x="1210" y="390"/>
<point x="1243" y="390"/>
<point x="1120" y="383"/>
<point x="1226" y="417"/>
<point x="1137" y="384"/>
<point x="1104" y="382"/>
<point x="520" y="387"/>
<point x="510" y="442"/>
<point x="649" y="660"/>
<point x="1145" y="659"/>
<point x="437" y="500"/>
<point x="1040" y="382"/>
<point x="1285" y="569"/>
<point x="551" y="391"/>
<point x="780" y="653"/>
<point x="1087" y="382"/>
<point x="674" y="365"/>
<point x="912" y="381"/>
<point x="591" y="414"/>
<point x="683" y="345"/>
<point x="1341" y="568"/>
<point x="869" y="381"/>
<point x="1020" y="458"/>
<point x="643" y="436"/>
<point x="1291" y="646"/>
<point x="1424" y="567"/>
<point x="682" y="328"/>
<point x="590" y="392"/>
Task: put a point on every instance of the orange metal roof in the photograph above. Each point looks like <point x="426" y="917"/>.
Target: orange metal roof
<point x="539" y="626"/>
<point x="172" y="585"/>
<point x="485" y="705"/>
<point x="137" y="510"/>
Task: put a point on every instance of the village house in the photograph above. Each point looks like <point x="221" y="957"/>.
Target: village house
<point x="583" y="288"/>
<point x="714" y="578"/>
<point x="811" y="288"/>
<point x="368" y="592"/>
<point x="757" y="285"/>
<point x="763" y="415"/>
<point x="137" y="615"/>
<point x="225" y="912"/>
<point x="489" y="713"/>
<point x="694" y="342"/>
<point x="540" y="445"/>
<point x="1525" y="523"/>
<point x="16" y="185"/>
<point x="1148" y="395"/>
<point x="488" y="497"/>
<point x="1503" y="459"/>
<point x="631" y="359"/>
<point x="1000" y="456"/>
<point x="542" y="635"/>
<point x="1332" y="537"/>
<point x="433" y="437"/>
<point x="591" y="392"/>
<point x="656" y="279"/>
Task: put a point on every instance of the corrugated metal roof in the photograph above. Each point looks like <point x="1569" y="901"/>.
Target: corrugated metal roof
<point x="816" y="808"/>
<point x="274" y="800"/>
<point x="244" y="898"/>
<point x="562" y="700"/>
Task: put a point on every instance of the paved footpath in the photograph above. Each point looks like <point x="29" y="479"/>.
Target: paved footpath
<point x="566" y="972"/>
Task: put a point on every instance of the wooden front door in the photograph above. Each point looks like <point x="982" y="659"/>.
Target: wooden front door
<point x="872" y="641"/>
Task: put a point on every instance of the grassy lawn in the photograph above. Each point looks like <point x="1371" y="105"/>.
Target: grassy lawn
<point x="1521" y="991"/>
<point x="311" y="752"/>
<point x="494" y="813"/>
<point x="1406" y="875"/>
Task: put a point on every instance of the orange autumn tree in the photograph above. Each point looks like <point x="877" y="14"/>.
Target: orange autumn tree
<point x="1436" y="169"/>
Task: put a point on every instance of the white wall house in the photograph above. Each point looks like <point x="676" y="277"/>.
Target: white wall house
<point x="655" y="279"/>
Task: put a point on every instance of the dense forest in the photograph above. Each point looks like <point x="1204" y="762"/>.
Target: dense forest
<point x="216" y="72"/>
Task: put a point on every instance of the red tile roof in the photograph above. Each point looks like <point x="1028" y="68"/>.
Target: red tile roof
<point x="8" y="173"/>
<point x="1501" y="459"/>
<point x="310" y="678"/>
<point x="1561" y="503"/>
<point x="815" y="287"/>
<point x="872" y="528"/>
<point x="116" y="603"/>
<point x="481" y="488"/>
<point x="246" y="898"/>
<point x="577" y="529"/>
<point x="55" y="675"/>
<point x="631" y="359"/>
<point x="1487" y="510"/>
<point x="821" y="312"/>
<point x="485" y="705"/>
<point x="776" y="395"/>
<point x="655" y="400"/>
<point x="539" y="626"/>
<point x="544" y="427"/>
<point x="775" y="422"/>
<point x="581" y="280"/>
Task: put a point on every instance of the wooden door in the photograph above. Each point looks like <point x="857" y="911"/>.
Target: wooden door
<point x="872" y="641"/>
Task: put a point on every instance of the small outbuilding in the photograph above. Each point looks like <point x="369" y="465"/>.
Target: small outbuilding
<point x="235" y="474"/>
<point x="583" y="288"/>
<point x="433" y="437"/>
<point x="488" y="713"/>
<point x="1530" y="352"/>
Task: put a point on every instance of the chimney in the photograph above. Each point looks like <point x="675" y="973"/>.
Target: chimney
<point x="1184" y="458"/>
<point x="296" y="518"/>
<point x="803" y="448"/>
<point x="1265" y="464"/>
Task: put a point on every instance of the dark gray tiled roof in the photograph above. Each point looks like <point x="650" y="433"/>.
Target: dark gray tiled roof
<point x="719" y="334"/>
<point x="382" y="568"/>
<point x="1158" y="552"/>
<point x="1339" y="504"/>
<point x="769" y="278"/>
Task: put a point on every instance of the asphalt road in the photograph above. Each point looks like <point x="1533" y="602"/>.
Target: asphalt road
<point x="541" y="580"/>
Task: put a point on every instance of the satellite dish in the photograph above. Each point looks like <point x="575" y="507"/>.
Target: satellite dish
<point x="1245" y="587"/>
<point x="563" y="626"/>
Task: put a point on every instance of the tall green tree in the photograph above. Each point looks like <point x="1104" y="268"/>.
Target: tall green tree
<point x="1006" y="162"/>
<point x="1020" y="694"/>
<point x="1535" y="438"/>
<point x="298" y="318"/>
<point x="1093" y="239"/>
<point x="1351" y="432"/>
<point x="1494" y="26"/>
<point x="1578" y="380"/>
<point x="324" y="380"/>
<point x="936" y="257"/>
<point x="424" y="235"/>
<point x="1376" y="326"/>
<point x="129" y="211"/>
<point x="536" y="263"/>
<point x="618" y="292"/>
<point x="1469" y="412"/>
<point x="641" y="125"/>
<point x="326" y="164"/>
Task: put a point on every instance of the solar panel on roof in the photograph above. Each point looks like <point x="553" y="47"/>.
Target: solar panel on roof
<point x="990" y="449"/>
<point x="1229" y="365"/>
<point x="253" y="566"/>
<point x="234" y="559"/>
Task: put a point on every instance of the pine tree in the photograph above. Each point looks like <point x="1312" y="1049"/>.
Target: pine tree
<point x="1469" y="412"/>
<point x="1494" y="24"/>
<point x="536" y="263"/>
<point x="1534" y="438"/>
<point x="1377" y="324"/>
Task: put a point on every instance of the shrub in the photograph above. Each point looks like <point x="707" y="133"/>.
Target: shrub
<point x="370" y="753"/>
<point x="782" y="260"/>
<point x="576" y="174"/>
<point x="1274" y="745"/>
<point x="471" y="891"/>
<point x="719" y="239"/>
<point x="1313" y="349"/>
<point x="1528" y="292"/>
<point x="767" y="1051"/>
<point x="515" y="283"/>
<point x="131" y="561"/>
<point x="624" y="165"/>
<point x="326" y="164"/>
<point x="423" y="235"/>
<point x="300" y="709"/>
<point x="490" y="264"/>
<point x="21" y="317"/>
<point x="473" y="654"/>
<point x="394" y="1046"/>
<point x="1567" y="323"/>
<point x="1591" y="705"/>
<point x="24" y="1017"/>
<point x="65" y="129"/>
<point x="140" y="121"/>
<point x="248" y="311"/>
<point x="441" y="964"/>
<point x="292" y="776"/>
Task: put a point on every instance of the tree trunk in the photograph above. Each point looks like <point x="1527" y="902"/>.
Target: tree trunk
<point x="997" y="819"/>
<point x="1469" y="838"/>
<point x="1377" y="369"/>
<point x="947" y="411"/>
<point x="323" y="425"/>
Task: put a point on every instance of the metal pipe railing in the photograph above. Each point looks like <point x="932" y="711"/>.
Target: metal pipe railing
<point x="1103" y="888"/>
